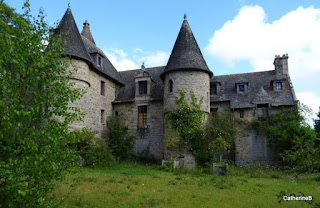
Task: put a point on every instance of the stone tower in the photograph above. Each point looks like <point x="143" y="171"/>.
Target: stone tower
<point x="186" y="70"/>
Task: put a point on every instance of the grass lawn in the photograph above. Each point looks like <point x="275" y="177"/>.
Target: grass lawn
<point x="137" y="185"/>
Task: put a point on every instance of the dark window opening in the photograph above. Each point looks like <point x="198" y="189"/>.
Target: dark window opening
<point x="214" y="90"/>
<point x="102" y="117"/>
<point x="241" y="113"/>
<point x="263" y="109"/>
<point x="278" y="85"/>
<point x="99" y="61"/>
<point x="102" y="88"/>
<point x="241" y="88"/>
<point x="143" y="87"/>
<point x="142" y="116"/>
<point x="170" y="86"/>
<point x="116" y="113"/>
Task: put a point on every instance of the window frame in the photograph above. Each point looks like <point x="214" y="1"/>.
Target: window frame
<point x="102" y="88"/>
<point x="142" y="116"/>
<point x="143" y="87"/>
<point x="99" y="61"/>
<point x="102" y="116"/>
<point x="279" y="83"/>
<point x="170" y="86"/>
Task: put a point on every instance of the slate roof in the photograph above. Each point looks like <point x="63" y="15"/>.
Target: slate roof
<point x="186" y="54"/>
<point x="86" y="31"/>
<point x="260" y="89"/>
<point x="127" y="92"/>
<point x="80" y="46"/>
<point x="73" y="44"/>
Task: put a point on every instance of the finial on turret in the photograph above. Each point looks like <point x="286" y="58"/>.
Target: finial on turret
<point x="69" y="5"/>
<point x="142" y="66"/>
<point x="185" y="16"/>
<point x="86" y="24"/>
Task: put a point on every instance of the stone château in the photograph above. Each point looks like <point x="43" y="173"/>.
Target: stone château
<point x="143" y="96"/>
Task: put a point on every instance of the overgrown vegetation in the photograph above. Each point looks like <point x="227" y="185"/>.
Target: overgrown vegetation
<point x="293" y="142"/>
<point x="34" y="92"/>
<point x="119" y="141"/>
<point x="317" y="124"/>
<point x="187" y="130"/>
<point x="93" y="151"/>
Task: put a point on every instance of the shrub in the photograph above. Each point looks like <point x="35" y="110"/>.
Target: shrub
<point x="118" y="139"/>
<point x="92" y="150"/>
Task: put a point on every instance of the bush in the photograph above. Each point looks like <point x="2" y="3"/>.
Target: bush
<point x="293" y="142"/>
<point x="119" y="142"/>
<point x="93" y="151"/>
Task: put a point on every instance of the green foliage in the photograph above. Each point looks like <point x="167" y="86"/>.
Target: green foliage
<point x="120" y="143"/>
<point x="92" y="150"/>
<point x="317" y="125"/>
<point x="34" y="92"/>
<point x="293" y="142"/>
<point x="187" y="129"/>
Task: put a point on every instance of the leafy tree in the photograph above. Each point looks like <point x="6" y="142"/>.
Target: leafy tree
<point x="186" y="128"/>
<point x="34" y="112"/>
<point x="120" y="143"/>
<point x="293" y="142"/>
<point x="317" y="124"/>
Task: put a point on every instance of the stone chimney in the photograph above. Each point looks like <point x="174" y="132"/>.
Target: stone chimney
<point x="281" y="64"/>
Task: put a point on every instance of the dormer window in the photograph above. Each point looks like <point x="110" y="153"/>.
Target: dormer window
<point x="214" y="90"/>
<point x="170" y="86"/>
<point x="278" y="85"/>
<point x="143" y="87"/>
<point x="242" y="87"/>
<point x="99" y="61"/>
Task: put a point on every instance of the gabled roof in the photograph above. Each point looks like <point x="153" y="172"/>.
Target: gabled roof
<point x="127" y="92"/>
<point x="186" y="54"/>
<point x="73" y="44"/>
<point x="259" y="90"/>
<point x="86" y="31"/>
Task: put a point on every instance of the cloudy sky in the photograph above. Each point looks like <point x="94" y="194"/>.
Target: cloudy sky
<point x="235" y="36"/>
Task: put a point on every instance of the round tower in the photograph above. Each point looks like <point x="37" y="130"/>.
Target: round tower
<point x="186" y="70"/>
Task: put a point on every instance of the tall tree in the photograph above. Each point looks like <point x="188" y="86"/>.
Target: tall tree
<point x="317" y="124"/>
<point x="34" y="113"/>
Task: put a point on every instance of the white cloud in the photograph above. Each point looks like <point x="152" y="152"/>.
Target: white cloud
<point x="122" y="61"/>
<point x="119" y="59"/>
<point x="249" y="37"/>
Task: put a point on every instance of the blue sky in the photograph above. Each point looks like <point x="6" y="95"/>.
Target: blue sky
<point x="235" y="36"/>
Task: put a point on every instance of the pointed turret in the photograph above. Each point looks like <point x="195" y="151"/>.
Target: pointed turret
<point x="73" y="44"/>
<point x="86" y="31"/>
<point x="186" y="54"/>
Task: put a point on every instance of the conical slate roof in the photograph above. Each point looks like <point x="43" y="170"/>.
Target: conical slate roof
<point x="186" y="54"/>
<point x="73" y="44"/>
<point x="86" y="31"/>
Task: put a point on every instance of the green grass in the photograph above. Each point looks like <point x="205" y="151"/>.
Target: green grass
<point x="136" y="185"/>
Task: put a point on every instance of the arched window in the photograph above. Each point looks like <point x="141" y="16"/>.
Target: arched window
<point x="170" y="86"/>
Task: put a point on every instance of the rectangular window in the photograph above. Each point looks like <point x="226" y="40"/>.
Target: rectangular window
<point x="241" y="88"/>
<point x="241" y="113"/>
<point x="143" y="87"/>
<point x="142" y="116"/>
<point x="99" y="61"/>
<point x="102" y="88"/>
<point x="214" y="90"/>
<point x="263" y="109"/>
<point x="102" y="117"/>
<point x="278" y="85"/>
<point x="170" y="86"/>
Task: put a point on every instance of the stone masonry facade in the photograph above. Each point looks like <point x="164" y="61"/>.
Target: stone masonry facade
<point x="143" y="96"/>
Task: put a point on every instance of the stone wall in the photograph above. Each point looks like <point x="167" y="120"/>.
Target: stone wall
<point x="149" y="142"/>
<point x="92" y="102"/>
<point x="196" y="81"/>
